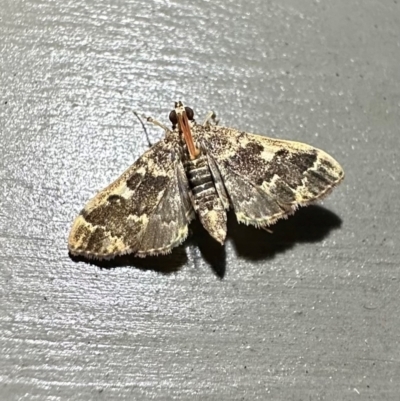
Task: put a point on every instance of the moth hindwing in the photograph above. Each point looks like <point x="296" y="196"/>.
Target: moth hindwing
<point x="203" y="170"/>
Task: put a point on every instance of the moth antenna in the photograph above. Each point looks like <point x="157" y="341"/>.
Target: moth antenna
<point x="144" y="128"/>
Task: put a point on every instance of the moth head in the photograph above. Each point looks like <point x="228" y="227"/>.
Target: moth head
<point x="181" y="110"/>
<point x="180" y="117"/>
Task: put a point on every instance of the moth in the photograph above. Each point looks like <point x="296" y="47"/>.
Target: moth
<point x="200" y="169"/>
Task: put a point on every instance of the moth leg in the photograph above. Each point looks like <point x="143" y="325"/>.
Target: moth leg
<point x="157" y="123"/>
<point x="151" y="120"/>
<point x="154" y="122"/>
<point x="211" y="116"/>
<point x="144" y="128"/>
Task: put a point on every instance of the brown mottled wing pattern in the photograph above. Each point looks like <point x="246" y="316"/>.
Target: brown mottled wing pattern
<point x="146" y="211"/>
<point x="267" y="179"/>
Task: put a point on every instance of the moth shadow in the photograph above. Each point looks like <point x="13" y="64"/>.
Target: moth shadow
<point x="164" y="264"/>
<point x="309" y="224"/>
<point x="211" y="251"/>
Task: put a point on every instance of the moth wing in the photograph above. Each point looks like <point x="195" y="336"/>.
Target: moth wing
<point x="146" y="211"/>
<point x="267" y="179"/>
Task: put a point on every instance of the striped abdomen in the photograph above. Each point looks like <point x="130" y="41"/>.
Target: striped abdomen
<point x="206" y="201"/>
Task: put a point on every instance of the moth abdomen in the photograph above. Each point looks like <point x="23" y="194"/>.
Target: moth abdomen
<point x="203" y="188"/>
<point x="199" y="175"/>
<point x="206" y="201"/>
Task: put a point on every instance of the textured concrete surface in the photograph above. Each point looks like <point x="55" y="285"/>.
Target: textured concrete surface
<point x="308" y="313"/>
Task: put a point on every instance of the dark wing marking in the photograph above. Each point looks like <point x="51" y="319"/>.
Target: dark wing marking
<point x="146" y="211"/>
<point x="267" y="179"/>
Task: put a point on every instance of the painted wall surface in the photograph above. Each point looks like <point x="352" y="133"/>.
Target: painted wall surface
<point x="309" y="312"/>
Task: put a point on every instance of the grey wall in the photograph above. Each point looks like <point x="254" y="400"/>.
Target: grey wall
<point x="307" y="313"/>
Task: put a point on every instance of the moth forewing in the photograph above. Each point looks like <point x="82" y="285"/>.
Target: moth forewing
<point x="144" y="212"/>
<point x="267" y="179"/>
